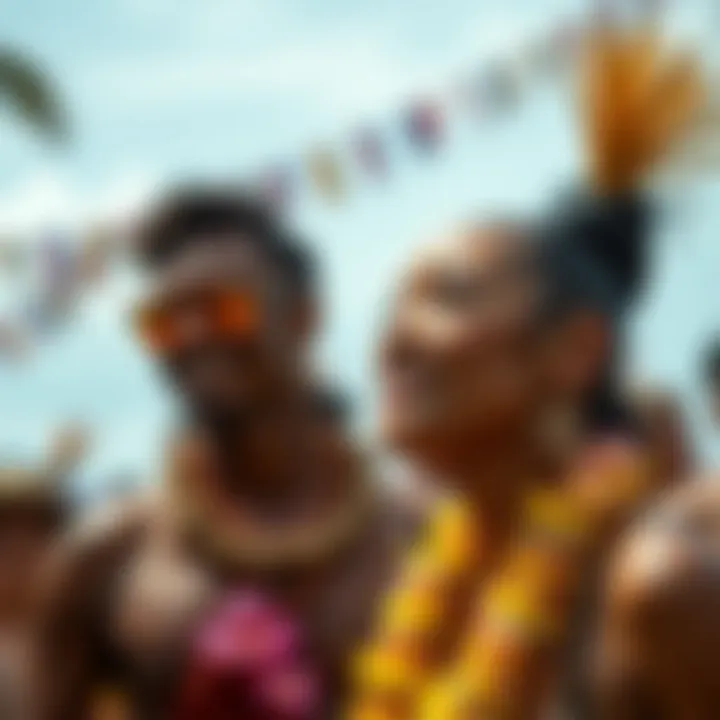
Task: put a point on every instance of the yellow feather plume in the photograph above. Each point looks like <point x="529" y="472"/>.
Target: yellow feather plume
<point x="638" y="100"/>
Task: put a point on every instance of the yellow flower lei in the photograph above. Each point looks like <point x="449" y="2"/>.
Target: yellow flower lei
<point x="522" y="610"/>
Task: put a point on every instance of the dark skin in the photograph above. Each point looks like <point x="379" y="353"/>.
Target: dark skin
<point x="473" y="384"/>
<point x="664" y="429"/>
<point x="28" y="529"/>
<point x="127" y="592"/>
<point x="337" y="453"/>
<point x="467" y="372"/>
<point x="657" y="656"/>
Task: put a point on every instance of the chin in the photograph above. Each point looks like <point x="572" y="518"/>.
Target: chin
<point x="221" y="414"/>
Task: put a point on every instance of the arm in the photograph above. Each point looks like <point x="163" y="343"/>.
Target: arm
<point x="73" y="606"/>
<point x="660" y="635"/>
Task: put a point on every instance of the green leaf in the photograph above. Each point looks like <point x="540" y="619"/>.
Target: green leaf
<point x="26" y="88"/>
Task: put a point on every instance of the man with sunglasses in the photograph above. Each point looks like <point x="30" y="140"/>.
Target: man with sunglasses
<point x="249" y="500"/>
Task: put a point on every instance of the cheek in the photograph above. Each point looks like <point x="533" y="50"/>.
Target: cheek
<point x="496" y="369"/>
<point x="277" y="342"/>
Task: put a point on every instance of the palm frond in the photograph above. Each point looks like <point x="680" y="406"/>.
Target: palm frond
<point x="26" y="88"/>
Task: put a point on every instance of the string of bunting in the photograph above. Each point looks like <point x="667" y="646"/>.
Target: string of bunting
<point x="65" y="267"/>
<point x="486" y="93"/>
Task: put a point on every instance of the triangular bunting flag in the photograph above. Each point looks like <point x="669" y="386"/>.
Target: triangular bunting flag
<point x="424" y="125"/>
<point x="325" y="174"/>
<point x="371" y="152"/>
<point x="274" y="186"/>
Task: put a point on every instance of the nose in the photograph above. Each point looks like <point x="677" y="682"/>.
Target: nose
<point x="192" y="327"/>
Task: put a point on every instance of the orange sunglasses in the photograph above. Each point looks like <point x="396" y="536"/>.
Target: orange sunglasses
<point x="226" y="312"/>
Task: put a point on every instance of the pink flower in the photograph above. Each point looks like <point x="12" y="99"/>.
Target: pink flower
<point x="247" y="660"/>
<point x="290" y="691"/>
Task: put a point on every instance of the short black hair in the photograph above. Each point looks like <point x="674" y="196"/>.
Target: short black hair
<point x="189" y="214"/>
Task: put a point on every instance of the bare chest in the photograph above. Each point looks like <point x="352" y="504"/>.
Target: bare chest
<point x="15" y="678"/>
<point x="162" y="595"/>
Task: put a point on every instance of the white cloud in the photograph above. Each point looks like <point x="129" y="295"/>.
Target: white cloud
<point x="196" y="13"/>
<point x="52" y="198"/>
<point x="348" y="69"/>
<point x="343" y="69"/>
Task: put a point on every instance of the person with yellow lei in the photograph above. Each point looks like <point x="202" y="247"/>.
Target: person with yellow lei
<point x="500" y="374"/>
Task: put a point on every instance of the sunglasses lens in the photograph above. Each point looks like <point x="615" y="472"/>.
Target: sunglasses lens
<point x="224" y="313"/>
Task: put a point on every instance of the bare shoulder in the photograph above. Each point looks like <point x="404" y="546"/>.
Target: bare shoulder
<point x="669" y="562"/>
<point x="111" y="523"/>
<point x="107" y="527"/>
<point x="92" y="546"/>
<point x="661" y="634"/>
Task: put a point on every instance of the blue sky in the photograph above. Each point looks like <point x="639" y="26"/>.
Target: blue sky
<point x="162" y="89"/>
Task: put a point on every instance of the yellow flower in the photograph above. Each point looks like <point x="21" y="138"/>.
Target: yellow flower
<point x="514" y="606"/>
<point x="449" y="699"/>
<point x="453" y="537"/>
<point x="558" y="513"/>
<point x="384" y="668"/>
<point x="412" y="612"/>
<point x="372" y="711"/>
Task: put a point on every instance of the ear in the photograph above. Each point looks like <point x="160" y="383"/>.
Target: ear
<point x="580" y="349"/>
